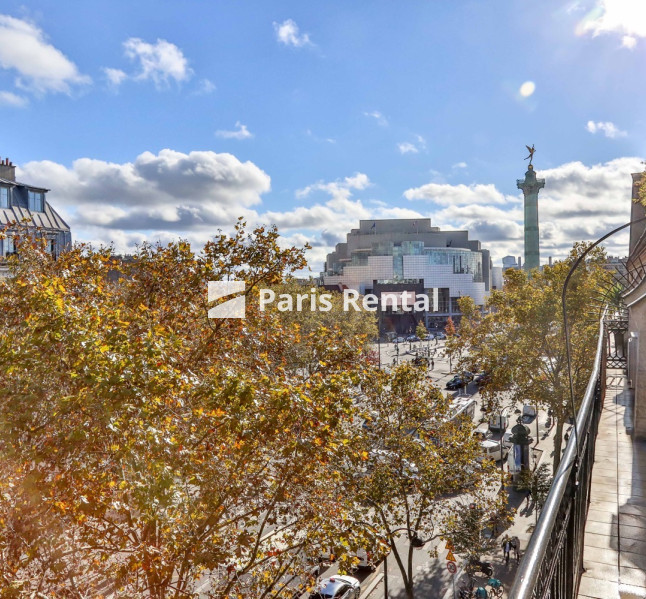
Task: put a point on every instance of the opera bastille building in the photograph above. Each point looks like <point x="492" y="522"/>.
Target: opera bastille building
<point x="400" y="256"/>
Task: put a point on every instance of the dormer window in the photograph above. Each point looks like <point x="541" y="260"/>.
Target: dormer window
<point x="4" y="197"/>
<point x="36" y="201"/>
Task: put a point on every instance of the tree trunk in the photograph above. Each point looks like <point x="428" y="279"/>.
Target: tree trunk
<point x="558" y="439"/>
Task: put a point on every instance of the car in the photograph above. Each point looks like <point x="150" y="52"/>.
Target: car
<point x="338" y="587"/>
<point x="440" y="335"/>
<point x="482" y="432"/>
<point x="482" y="378"/>
<point x="456" y="382"/>
<point x="460" y="380"/>
<point x="429" y="337"/>
<point x="491" y="450"/>
<point x="506" y="439"/>
<point x="413" y="338"/>
<point x="400" y="340"/>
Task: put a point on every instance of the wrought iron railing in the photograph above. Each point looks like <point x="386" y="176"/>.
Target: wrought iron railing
<point x="552" y="565"/>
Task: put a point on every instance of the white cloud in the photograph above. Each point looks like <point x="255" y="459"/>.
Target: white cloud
<point x="628" y="41"/>
<point x="159" y="62"/>
<point x="609" y="129"/>
<point x="444" y="194"/>
<point x="115" y="77"/>
<point x="11" y="99"/>
<point x="623" y="17"/>
<point x="205" y="87"/>
<point x="171" y="192"/>
<point x="287" y="33"/>
<point x="579" y="202"/>
<point x="240" y="133"/>
<point x="407" y="147"/>
<point x="380" y="118"/>
<point x="460" y="165"/>
<point x="40" y="66"/>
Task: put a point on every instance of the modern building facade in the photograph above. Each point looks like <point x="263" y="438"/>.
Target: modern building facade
<point x="410" y="255"/>
<point x="26" y="205"/>
<point x="510" y="262"/>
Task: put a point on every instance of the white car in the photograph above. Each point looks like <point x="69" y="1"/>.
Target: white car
<point x="338" y="587"/>
<point x="490" y="450"/>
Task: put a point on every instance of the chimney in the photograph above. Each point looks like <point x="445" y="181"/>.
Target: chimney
<point x="7" y="170"/>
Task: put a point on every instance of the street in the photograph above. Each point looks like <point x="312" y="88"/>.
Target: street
<point x="432" y="578"/>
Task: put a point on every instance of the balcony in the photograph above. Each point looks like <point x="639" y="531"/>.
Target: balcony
<point x="590" y="540"/>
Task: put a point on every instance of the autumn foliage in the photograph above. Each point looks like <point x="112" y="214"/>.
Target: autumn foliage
<point x="148" y="451"/>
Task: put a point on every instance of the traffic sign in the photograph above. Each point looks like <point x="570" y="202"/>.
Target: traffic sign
<point x="451" y="567"/>
<point x="450" y="557"/>
<point x="449" y="545"/>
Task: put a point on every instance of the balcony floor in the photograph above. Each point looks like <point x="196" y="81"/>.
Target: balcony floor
<point x="615" y="534"/>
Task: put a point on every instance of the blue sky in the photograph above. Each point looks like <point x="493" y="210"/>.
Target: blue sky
<point x="155" y="119"/>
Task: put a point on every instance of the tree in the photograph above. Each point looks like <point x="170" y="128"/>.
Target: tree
<point x="147" y="450"/>
<point x="520" y="340"/>
<point x="308" y="323"/>
<point x="420" y="330"/>
<point x="408" y="464"/>
<point x="450" y="327"/>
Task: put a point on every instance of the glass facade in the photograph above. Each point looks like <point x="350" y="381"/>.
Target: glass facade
<point x="4" y="197"/>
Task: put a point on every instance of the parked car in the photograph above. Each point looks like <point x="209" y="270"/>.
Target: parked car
<point x="456" y="382"/>
<point x="429" y="337"/>
<point x="338" y="587"/>
<point x="440" y="335"/>
<point x="413" y="338"/>
<point x="482" y="432"/>
<point x="400" y="340"/>
<point x="482" y="378"/>
<point x="506" y="439"/>
<point x="490" y="450"/>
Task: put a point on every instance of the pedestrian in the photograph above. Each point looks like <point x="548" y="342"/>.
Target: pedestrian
<point x="515" y="543"/>
<point x="506" y="547"/>
<point x="432" y="363"/>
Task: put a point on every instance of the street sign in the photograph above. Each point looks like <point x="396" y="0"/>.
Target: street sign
<point x="450" y="557"/>
<point x="451" y="567"/>
<point x="449" y="545"/>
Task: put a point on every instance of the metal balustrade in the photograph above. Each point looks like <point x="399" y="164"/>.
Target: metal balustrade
<point x="553" y="562"/>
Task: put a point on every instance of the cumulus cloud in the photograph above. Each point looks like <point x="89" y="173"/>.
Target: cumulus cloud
<point x="171" y="191"/>
<point x="380" y="118"/>
<point x="160" y="62"/>
<point x="287" y="33"/>
<point x="607" y="128"/>
<point x="115" y="77"/>
<point x="11" y="99"/>
<point x="579" y="202"/>
<point x="444" y="194"/>
<point x="622" y="17"/>
<point x="40" y="67"/>
<point x="240" y="133"/>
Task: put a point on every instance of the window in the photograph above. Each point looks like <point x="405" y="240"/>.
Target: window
<point x="36" y="201"/>
<point x="4" y="197"/>
<point x="7" y="246"/>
